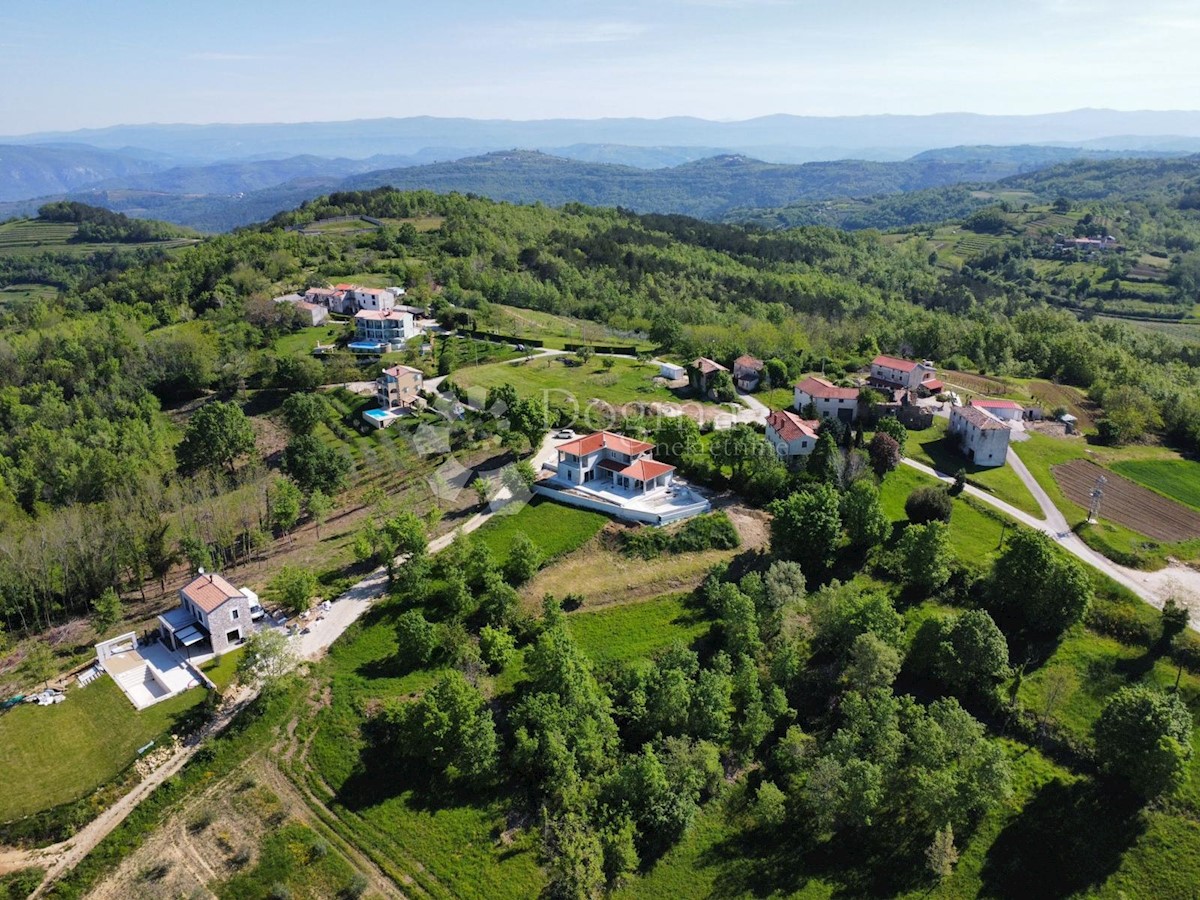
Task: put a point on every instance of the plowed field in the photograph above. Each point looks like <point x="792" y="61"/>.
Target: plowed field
<point x="1127" y="503"/>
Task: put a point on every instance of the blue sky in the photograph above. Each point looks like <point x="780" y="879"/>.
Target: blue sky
<point x="88" y="63"/>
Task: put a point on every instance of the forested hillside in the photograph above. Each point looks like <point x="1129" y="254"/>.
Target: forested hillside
<point x="85" y="375"/>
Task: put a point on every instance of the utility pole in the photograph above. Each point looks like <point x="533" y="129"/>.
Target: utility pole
<point x="1097" y="495"/>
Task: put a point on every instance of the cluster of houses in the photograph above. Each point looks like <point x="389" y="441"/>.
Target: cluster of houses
<point x="381" y="322"/>
<point x="982" y="428"/>
<point x="747" y="374"/>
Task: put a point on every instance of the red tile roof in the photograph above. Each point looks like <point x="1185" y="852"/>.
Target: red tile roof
<point x="397" y="371"/>
<point x="707" y="366"/>
<point x="978" y="418"/>
<point x="210" y="591"/>
<point x="790" y="426"/>
<point x="819" y="387"/>
<point x="932" y="384"/>
<point x="345" y="287"/>
<point x="645" y="469"/>
<point x="894" y="362"/>
<point x="605" y="440"/>
<point x="996" y="404"/>
<point x="748" y="362"/>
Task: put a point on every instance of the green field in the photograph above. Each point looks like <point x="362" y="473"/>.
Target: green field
<point x="554" y="528"/>
<point x="1178" y="479"/>
<point x="554" y="330"/>
<point x="223" y="669"/>
<point x="933" y="448"/>
<point x="974" y="530"/>
<point x="54" y="754"/>
<point x="619" y="634"/>
<point x="28" y="236"/>
<point x="572" y="386"/>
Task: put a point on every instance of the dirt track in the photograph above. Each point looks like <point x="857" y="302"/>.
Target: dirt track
<point x="1127" y="503"/>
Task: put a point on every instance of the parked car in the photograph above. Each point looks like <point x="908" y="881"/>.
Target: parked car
<point x="565" y="435"/>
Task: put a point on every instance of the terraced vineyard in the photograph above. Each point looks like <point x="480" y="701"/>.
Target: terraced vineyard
<point x="30" y="235"/>
<point x="979" y="384"/>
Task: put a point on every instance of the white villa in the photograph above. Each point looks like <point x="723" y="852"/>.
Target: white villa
<point x="792" y="437"/>
<point x="618" y="475"/>
<point x="398" y="390"/>
<point x="386" y="330"/>
<point x="348" y="299"/>
<point x="831" y="401"/>
<point x="982" y="437"/>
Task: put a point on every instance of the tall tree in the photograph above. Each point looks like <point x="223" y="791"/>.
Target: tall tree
<point x="216" y="435"/>
<point x="1144" y="736"/>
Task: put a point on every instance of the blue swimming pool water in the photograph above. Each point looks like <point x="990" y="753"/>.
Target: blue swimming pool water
<point x="365" y="345"/>
<point x="376" y="414"/>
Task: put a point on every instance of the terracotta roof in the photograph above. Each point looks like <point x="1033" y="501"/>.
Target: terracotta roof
<point x="790" y="426"/>
<point x="748" y="362"/>
<point x="397" y="371"/>
<point x="978" y="418"/>
<point x="345" y="287"/>
<point x="645" y="469"/>
<point x="605" y="440"/>
<point x="819" y="387"/>
<point x="611" y="465"/>
<point x="932" y="384"/>
<point x="209" y="591"/>
<point x="380" y="314"/>
<point x="996" y="404"/>
<point x="375" y="292"/>
<point x="894" y="362"/>
<point x="707" y="366"/>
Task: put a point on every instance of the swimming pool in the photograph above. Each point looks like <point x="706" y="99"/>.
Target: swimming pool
<point x="378" y="414"/>
<point x="366" y="346"/>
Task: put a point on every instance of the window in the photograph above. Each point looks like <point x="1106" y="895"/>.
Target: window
<point x="233" y="636"/>
<point x="234" y="614"/>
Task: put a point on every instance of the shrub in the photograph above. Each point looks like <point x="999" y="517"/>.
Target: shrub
<point x="928" y="504"/>
<point x="713" y="531"/>
<point x="496" y="645"/>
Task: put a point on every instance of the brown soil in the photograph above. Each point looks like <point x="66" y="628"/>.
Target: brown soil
<point x="1127" y="503"/>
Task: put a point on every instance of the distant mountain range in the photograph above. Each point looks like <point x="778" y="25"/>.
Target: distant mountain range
<point x="777" y="138"/>
<point x="696" y="180"/>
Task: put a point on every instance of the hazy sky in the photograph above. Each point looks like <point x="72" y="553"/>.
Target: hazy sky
<point x="84" y="63"/>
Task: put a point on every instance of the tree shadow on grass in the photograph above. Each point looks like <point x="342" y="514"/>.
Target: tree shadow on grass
<point x="1068" y="838"/>
<point x="879" y="862"/>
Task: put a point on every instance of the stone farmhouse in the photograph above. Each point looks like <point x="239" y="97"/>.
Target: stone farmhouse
<point x="701" y="373"/>
<point x="891" y="372"/>
<point x="982" y="438"/>
<point x="209" y="608"/>
<point x="747" y="373"/>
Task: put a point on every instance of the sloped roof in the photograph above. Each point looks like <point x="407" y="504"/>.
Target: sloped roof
<point x="996" y="404"/>
<point x="819" y="387"/>
<point x="748" y="362"/>
<point x="894" y="362"/>
<point x="707" y="366"/>
<point x="209" y="591"/>
<point x="645" y="469"/>
<point x="381" y="314"/>
<point x="605" y="440"/>
<point x="790" y="426"/>
<point x="978" y="418"/>
<point x="397" y="371"/>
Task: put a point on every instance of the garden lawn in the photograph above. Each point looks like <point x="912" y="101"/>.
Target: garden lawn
<point x="554" y="528"/>
<point x="622" y="633"/>
<point x="55" y="754"/>
<point x="1178" y="479"/>
<point x="223" y="669"/>
<point x="572" y="386"/>
<point x="933" y="448"/>
<point x="975" y="530"/>
<point x="302" y="342"/>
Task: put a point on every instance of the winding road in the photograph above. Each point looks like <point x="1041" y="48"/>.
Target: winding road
<point x="1181" y="582"/>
